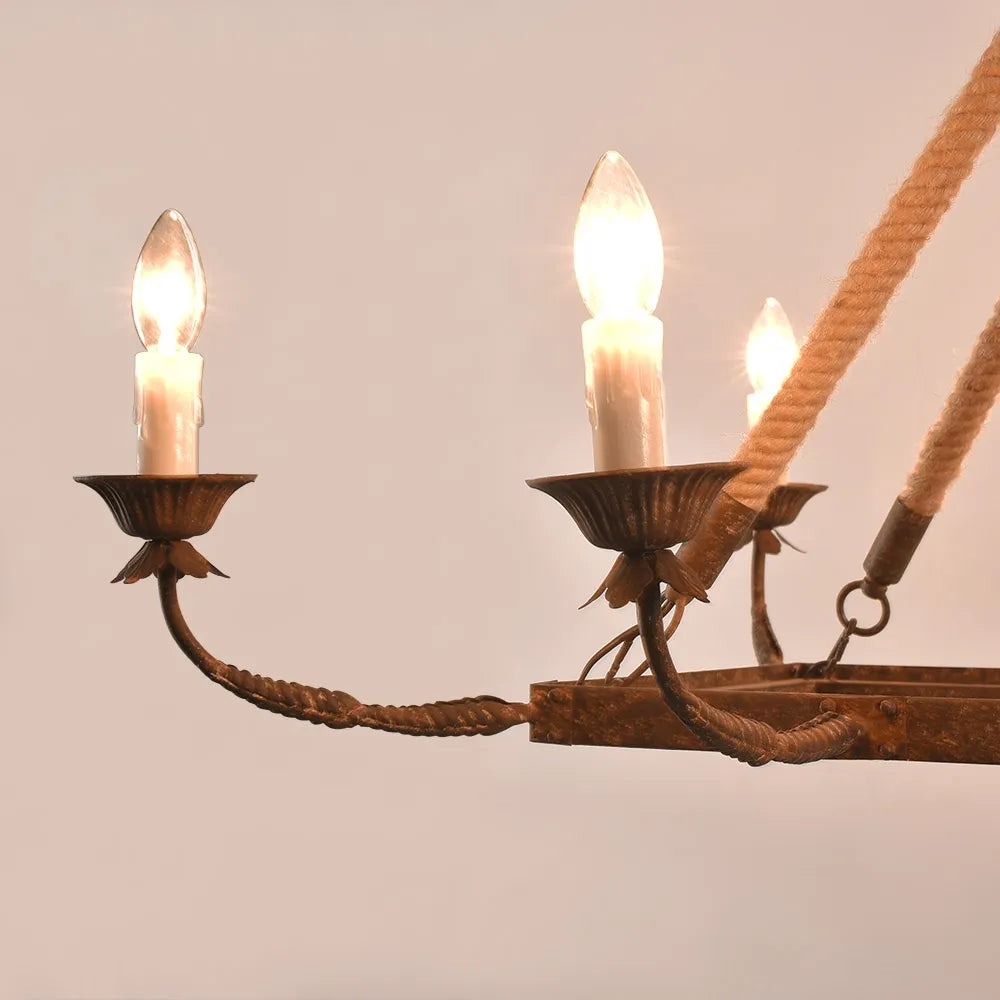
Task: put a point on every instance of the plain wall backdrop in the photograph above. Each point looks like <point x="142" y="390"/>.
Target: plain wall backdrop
<point x="384" y="196"/>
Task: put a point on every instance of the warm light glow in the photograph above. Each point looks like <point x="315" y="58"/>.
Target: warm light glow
<point x="168" y="291"/>
<point x="617" y="247"/>
<point x="771" y="349"/>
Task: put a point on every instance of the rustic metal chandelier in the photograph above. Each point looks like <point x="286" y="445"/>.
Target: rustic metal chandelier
<point x="637" y="506"/>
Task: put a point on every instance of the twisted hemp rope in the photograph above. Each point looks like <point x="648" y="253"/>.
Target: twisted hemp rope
<point x="859" y="303"/>
<point x="949" y="440"/>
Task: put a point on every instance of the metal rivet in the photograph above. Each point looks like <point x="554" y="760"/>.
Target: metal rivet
<point x="559" y="697"/>
<point x="885" y="750"/>
<point x="828" y="705"/>
<point x="890" y="709"/>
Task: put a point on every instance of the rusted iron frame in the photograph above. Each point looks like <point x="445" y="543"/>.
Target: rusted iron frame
<point x="944" y="714"/>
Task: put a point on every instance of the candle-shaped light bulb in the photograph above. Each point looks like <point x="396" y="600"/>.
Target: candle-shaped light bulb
<point x="770" y="355"/>
<point x="618" y="258"/>
<point x="617" y="248"/>
<point x="168" y="290"/>
<point x="168" y="306"/>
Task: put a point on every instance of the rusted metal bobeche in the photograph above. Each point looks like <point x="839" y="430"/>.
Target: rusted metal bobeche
<point x="785" y="504"/>
<point x="166" y="508"/>
<point x="639" y="510"/>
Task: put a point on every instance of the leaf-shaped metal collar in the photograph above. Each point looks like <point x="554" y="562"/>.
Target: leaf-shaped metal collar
<point x="630" y="574"/>
<point x="155" y="555"/>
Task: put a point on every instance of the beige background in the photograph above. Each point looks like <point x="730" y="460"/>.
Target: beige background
<point x="384" y="196"/>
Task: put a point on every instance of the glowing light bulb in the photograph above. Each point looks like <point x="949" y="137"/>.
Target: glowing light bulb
<point x="617" y="247"/>
<point x="770" y="355"/>
<point x="771" y="349"/>
<point x="168" y="290"/>
<point x="168" y="305"/>
<point x="618" y="256"/>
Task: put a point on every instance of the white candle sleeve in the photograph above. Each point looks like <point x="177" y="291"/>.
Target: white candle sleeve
<point x="168" y="412"/>
<point x="624" y="362"/>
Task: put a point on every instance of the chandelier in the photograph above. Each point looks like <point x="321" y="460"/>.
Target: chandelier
<point x="672" y="529"/>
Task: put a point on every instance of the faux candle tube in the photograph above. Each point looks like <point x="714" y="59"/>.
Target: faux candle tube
<point x="624" y="361"/>
<point x="618" y="260"/>
<point x="168" y="412"/>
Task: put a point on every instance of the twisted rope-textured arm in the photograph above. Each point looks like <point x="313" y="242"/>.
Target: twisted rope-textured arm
<point x="753" y="742"/>
<point x="481" y="716"/>
<point x="949" y="440"/>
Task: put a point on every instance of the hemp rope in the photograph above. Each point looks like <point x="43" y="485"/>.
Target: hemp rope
<point x="859" y="303"/>
<point x="950" y="438"/>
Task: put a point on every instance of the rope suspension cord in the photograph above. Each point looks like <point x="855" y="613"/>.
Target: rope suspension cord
<point x="938" y="465"/>
<point x="950" y="439"/>
<point x="847" y="322"/>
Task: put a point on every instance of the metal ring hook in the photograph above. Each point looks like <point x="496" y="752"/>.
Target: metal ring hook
<point x="857" y="629"/>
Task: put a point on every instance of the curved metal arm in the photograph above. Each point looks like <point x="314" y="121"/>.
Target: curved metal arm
<point x="482" y="716"/>
<point x="766" y="647"/>
<point x="756" y="743"/>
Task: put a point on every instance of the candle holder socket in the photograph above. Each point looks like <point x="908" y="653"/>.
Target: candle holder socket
<point x="637" y="511"/>
<point x="165" y="511"/>
<point x="165" y="508"/>
<point x="641" y="513"/>
<point x="785" y="504"/>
